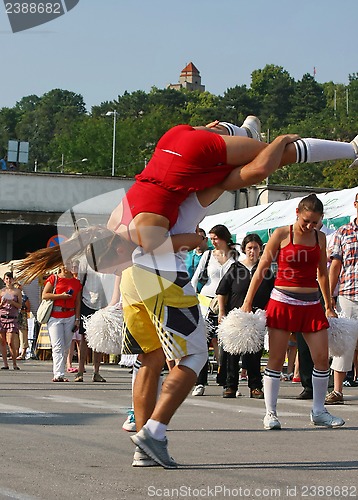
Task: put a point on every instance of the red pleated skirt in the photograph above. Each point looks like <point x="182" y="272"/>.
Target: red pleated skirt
<point x="295" y="318"/>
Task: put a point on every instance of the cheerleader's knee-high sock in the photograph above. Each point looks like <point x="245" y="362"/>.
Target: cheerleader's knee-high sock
<point x="315" y="150"/>
<point x="234" y="129"/>
<point x="320" y="385"/>
<point x="271" y="389"/>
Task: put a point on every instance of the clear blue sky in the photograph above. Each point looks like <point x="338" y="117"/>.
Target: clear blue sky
<point x="101" y="48"/>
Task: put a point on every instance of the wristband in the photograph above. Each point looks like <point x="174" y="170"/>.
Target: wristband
<point x="77" y="319"/>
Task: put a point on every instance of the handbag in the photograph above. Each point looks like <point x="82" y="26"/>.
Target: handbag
<point x="45" y="308"/>
<point x="203" y="276"/>
<point x="214" y="305"/>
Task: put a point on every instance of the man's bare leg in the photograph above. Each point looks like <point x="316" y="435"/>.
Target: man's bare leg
<point x="175" y="389"/>
<point x="156" y="417"/>
<point x="146" y="386"/>
<point x="82" y="357"/>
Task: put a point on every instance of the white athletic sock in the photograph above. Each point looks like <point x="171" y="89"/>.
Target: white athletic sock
<point x="314" y="150"/>
<point x="320" y="385"/>
<point x="234" y="129"/>
<point x="271" y="389"/>
<point x="157" y="429"/>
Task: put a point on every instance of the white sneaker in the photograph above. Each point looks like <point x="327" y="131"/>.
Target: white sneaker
<point x="271" y="421"/>
<point x="129" y="423"/>
<point x="326" y="419"/>
<point x="198" y="390"/>
<point x="238" y="393"/>
<point x="253" y="127"/>
<point x="155" y="448"/>
<point x="141" y="459"/>
<point x="355" y="147"/>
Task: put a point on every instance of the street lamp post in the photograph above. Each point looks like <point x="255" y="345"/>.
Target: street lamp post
<point x="63" y="163"/>
<point x="114" y="113"/>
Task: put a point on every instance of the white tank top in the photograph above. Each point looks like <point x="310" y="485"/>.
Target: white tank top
<point x="191" y="213"/>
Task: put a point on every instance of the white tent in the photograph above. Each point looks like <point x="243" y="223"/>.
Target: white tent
<point x="338" y="209"/>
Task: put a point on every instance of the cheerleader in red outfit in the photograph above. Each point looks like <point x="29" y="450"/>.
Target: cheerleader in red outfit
<point x="294" y="306"/>
<point x="188" y="159"/>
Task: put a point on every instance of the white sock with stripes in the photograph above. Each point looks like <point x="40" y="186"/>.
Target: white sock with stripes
<point x="271" y="389"/>
<point x="314" y="150"/>
<point x="320" y="385"/>
<point x="235" y="130"/>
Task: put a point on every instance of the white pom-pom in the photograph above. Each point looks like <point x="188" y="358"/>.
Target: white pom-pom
<point x="342" y="335"/>
<point x="104" y="329"/>
<point x="242" y="332"/>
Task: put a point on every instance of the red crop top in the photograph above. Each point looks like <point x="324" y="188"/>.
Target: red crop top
<point x="297" y="264"/>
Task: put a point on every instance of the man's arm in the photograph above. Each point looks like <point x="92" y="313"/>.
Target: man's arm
<point x="334" y="272"/>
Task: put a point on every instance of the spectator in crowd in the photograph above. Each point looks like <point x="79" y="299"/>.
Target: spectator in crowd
<point x="193" y="256"/>
<point x="23" y="324"/>
<point x="65" y="292"/>
<point x="344" y="269"/>
<point x="3" y="165"/>
<point x="217" y="262"/>
<point x="291" y="355"/>
<point x="231" y="292"/>
<point x="75" y="344"/>
<point x="10" y="305"/>
<point x="96" y="294"/>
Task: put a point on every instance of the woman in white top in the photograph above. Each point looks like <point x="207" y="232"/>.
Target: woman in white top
<point x="216" y="262"/>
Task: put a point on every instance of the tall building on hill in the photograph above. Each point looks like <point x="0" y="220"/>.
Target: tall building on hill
<point x="189" y="79"/>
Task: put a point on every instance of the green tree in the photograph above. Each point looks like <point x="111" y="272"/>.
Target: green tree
<point x="307" y="100"/>
<point x="237" y="103"/>
<point x="353" y="95"/>
<point x="338" y="176"/>
<point x="273" y="87"/>
<point x="8" y="120"/>
<point x="201" y="108"/>
<point x="41" y="120"/>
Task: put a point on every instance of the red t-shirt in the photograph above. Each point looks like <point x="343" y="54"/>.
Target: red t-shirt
<point x="63" y="285"/>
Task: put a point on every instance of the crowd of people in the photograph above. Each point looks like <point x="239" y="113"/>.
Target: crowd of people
<point x="145" y="245"/>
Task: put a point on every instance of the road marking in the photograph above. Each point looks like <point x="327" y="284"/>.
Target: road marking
<point x="5" y="493"/>
<point x="22" y="411"/>
<point x="86" y="403"/>
<point x="238" y="408"/>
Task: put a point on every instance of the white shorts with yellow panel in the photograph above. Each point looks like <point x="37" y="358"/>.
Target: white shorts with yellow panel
<point x="161" y="309"/>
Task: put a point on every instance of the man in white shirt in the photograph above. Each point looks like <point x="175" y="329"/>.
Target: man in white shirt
<point x="97" y="291"/>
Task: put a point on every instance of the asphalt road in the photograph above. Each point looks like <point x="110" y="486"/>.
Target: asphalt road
<point x="61" y="441"/>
